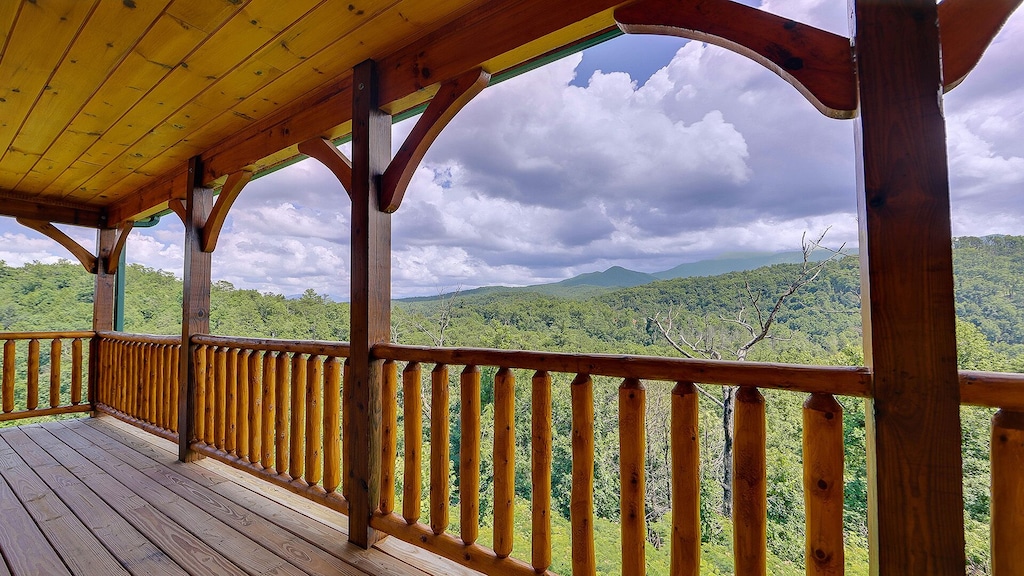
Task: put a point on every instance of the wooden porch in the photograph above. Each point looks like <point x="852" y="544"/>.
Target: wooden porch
<point x="96" y="496"/>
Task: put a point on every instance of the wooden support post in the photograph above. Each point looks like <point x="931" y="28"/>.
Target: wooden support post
<point x="195" y="303"/>
<point x="371" y="300"/>
<point x="102" y="307"/>
<point x="915" y="496"/>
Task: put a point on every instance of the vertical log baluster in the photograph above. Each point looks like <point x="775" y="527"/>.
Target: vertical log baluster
<point x="439" y="449"/>
<point x="32" y="397"/>
<point x="175" y="380"/>
<point x="296" y="465"/>
<point x="242" y="406"/>
<point x="282" y="399"/>
<point x="230" y="413"/>
<point x="55" y="351"/>
<point x="581" y="500"/>
<point x="389" y="438"/>
<point x="412" y="410"/>
<point x="346" y="423"/>
<point x="76" y="371"/>
<point x="169" y="398"/>
<point x="540" y="469"/>
<point x="1007" y="493"/>
<point x="469" y="455"/>
<point x="823" y="485"/>
<point x="314" y="419"/>
<point x="156" y="383"/>
<point x="103" y="365"/>
<point x="504" y="461"/>
<point x="685" y="544"/>
<point x="211" y="394"/>
<point x="332" y="424"/>
<point x="8" y="385"/>
<point x="254" y="408"/>
<point x="220" y="387"/>
<point x="632" y="448"/>
<point x="265" y="450"/>
<point x="132" y="398"/>
<point x="750" y="489"/>
<point x="121" y="382"/>
<point x="202" y="394"/>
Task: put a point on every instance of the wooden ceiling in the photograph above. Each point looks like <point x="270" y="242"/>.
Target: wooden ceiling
<point x="102" y="102"/>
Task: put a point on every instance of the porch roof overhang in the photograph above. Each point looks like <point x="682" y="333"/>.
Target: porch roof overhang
<point x="103" y="102"/>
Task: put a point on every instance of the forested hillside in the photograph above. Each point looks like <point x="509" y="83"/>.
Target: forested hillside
<point x="706" y="316"/>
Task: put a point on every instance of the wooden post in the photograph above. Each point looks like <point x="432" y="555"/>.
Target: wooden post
<point x="371" y="300"/>
<point x="1007" y="493"/>
<point x="102" y="308"/>
<point x="915" y="496"/>
<point x="195" y="303"/>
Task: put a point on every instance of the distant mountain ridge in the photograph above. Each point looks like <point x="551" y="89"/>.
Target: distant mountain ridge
<point x="591" y="283"/>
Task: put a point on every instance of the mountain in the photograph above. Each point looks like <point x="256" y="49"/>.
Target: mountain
<point x="737" y="262"/>
<point x="614" y="277"/>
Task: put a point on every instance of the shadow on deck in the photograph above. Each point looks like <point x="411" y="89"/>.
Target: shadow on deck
<point x="95" y="496"/>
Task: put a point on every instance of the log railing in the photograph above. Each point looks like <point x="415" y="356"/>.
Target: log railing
<point x="31" y="359"/>
<point x="273" y="409"/>
<point x="138" y="380"/>
<point x="823" y="455"/>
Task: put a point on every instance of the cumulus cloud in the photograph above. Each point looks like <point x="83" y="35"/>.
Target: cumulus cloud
<point x="591" y="162"/>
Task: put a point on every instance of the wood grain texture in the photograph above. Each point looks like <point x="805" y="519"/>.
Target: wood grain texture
<point x="371" y="299"/>
<point x="389" y="437"/>
<point x="1007" y="522"/>
<point x="817" y="63"/>
<point x="469" y="454"/>
<point x="581" y="500"/>
<point x="632" y="487"/>
<point x="85" y="257"/>
<point x="195" y="308"/>
<point x="846" y="381"/>
<point x="685" y="447"/>
<point x="314" y="432"/>
<point x="504" y="460"/>
<point x="412" y="411"/>
<point x="823" y="485"/>
<point x="541" y="426"/>
<point x="967" y="28"/>
<point x="328" y="154"/>
<point x="750" y="487"/>
<point x="55" y="350"/>
<point x="439" y="449"/>
<point x="218" y="216"/>
<point x="913" y="418"/>
<point x="332" y="423"/>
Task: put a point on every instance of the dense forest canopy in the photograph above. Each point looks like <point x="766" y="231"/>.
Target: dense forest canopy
<point x="819" y="324"/>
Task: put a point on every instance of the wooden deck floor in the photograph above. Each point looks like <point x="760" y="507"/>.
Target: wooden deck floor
<point x="95" y="496"/>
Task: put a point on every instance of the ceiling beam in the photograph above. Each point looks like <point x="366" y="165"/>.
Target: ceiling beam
<point x="18" y="207"/>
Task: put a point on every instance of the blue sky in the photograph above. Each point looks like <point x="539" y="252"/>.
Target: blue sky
<point x="644" y="152"/>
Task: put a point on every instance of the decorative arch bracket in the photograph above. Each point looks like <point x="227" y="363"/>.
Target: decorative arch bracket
<point x="324" y="150"/>
<point x="85" y="257"/>
<point x="817" y="63"/>
<point x="178" y="207"/>
<point x="228" y="193"/>
<point x="966" y="28"/>
<point x="114" y="258"/>
<point x="450" y="98"/>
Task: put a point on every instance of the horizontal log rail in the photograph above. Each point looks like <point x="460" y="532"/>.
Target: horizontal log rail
<point x="26" y="361"/>
<point x="138" y="380"/>
<point x="457" y="371"/>
<point x="272" y="408"/>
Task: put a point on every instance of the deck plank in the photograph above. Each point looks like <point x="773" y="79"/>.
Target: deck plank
<point x="22" y="544"/>
<point x="133" y="550"/>
<point x="77" y="546"/>
<point x="283" y="543"/>
<point x="245" y="553"/>
<point x="187" y="550"/>
<point x="285" y="509"/>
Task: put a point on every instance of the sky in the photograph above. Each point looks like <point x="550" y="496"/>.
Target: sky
<point x="644" y="152"/>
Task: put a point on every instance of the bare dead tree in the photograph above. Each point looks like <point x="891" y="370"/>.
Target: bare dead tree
<point x="707" y="344"/>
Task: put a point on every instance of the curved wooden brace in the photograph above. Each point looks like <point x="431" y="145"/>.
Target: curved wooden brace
<point x="328" y="154"/>
<point x="817" y="63"/>
<point x="47" y="229"/>
<point x="114" y="258"/>
<point x="178" y="207"/>
<point x="966" y="28"/>
<point x="228" y="193"/>
<point x="450" y="98"/>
